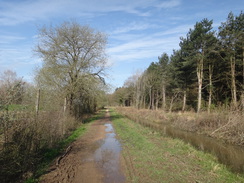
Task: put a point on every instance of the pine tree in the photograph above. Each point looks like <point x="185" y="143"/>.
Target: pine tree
<point x="196" y="44"/>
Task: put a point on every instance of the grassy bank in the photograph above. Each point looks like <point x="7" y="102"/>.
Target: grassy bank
<point x="224" y="125"/>
<point x="151" y="157"/>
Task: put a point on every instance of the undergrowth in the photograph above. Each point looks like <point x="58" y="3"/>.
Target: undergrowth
<point x="224" y="125"/>
<point x="50" y="154"/>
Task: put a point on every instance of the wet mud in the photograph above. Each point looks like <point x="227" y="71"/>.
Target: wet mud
<point x="94" y="158"/>
<point x="107" y="156"/>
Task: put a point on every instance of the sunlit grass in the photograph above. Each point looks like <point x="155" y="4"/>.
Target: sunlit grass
<point x="157" y="158"/>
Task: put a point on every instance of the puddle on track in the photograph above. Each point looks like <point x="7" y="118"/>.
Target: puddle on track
<point x="107" y="157"/>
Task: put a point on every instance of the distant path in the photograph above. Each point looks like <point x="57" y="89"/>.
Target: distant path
<point x="91" y="159"/>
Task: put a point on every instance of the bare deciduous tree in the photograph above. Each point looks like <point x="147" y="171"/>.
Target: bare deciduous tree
<point x="11" y="88"/>
<point x="70" y="53"/>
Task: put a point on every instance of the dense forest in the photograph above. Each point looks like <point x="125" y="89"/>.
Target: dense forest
<point x="206" y="73"/>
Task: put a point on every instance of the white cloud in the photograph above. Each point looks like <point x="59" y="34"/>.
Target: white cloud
<point x="180" y="30"/>
<point x="6" y="39"/>
<point x="134" y="26"/>
<point x="169" y="4"/>
<point x="18" y="58"/>
<point x="154" y="37"/>
<point x="146" y="46"/>
<point x="23" y="11"/>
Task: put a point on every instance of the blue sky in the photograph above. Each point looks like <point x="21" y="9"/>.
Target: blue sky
<point x="138" y="30"/>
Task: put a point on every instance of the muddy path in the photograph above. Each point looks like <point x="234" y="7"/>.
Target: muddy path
<point x="94" y="158"/>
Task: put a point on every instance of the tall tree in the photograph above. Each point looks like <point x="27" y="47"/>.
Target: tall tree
<point x="211" y="57"/>
<point x="197" y="43"/>
<point x="70" y="53"/>
<point x="231" y="37"/>
<point x="152" y="81"/>
<point x="134" y="91"/>
<point x="163" y="62"/>
<point x="181" y="74"/>
<point x="239" y="27"/>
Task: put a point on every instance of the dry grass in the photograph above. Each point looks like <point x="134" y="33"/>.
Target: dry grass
<point x="24" y="136"/>
<point x="225" y="125"/>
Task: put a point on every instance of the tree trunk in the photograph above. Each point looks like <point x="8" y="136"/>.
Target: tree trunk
<point x="138" y="95"/>
<point x="65" y="104"/>
<point x="150" y="98"/>
<point x="71" y="105"/>
<point x="171" y="104"/>
<point x="144" y="102"/>
<point x="184" y="101"/>
<point x="199" y="100"/>
<point x="210" y="68"/>
<point x="64" y="117"/>
<point x="164" y="97"/>
<point x="153" y="100"/>
<point x="200" y="78"/>
<point x="157" y="99"/>
<point x="172" y="101"/>
<point x="233" y="81"/>
<point x="242" y="93"/>
<point x="37" y="101"/>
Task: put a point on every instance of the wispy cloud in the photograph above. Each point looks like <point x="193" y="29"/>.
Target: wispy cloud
<point x="16" y="12"/>
<point x="132" y="52"/>
<point x="13" y="13"/>
<point x="6" y="39"/>
<point x="169" y="4"/>
<point x="180" y="30"/>
<point x="146" y="46"/>
<point x="18" y="58"/>
<point x="134" y="26"/>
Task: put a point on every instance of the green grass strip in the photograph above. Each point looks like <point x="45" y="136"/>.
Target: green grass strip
<point x="157" y="158"/>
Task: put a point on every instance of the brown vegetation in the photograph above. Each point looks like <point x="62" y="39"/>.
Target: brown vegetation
<point x="24" y="139"/>
<point x="227" y="126"/>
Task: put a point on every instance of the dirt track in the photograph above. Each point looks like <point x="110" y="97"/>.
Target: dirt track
<point x="91" y="159"/>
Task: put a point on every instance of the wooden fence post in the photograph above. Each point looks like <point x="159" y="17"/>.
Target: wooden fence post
<point x="37" y="101"/>
<point x="65" y="104"/>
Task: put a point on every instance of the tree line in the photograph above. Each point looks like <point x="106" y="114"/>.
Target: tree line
<point x="206" y="72"/>
<point x="71" y="75"/>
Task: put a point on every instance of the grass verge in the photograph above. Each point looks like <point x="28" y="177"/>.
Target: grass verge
<point x="51" y="154"/>
<point x="151" y="157"/>
<point x="222" y="124"/>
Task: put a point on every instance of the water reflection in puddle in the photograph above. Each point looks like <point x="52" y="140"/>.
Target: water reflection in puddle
<point x="107" y="156"/>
